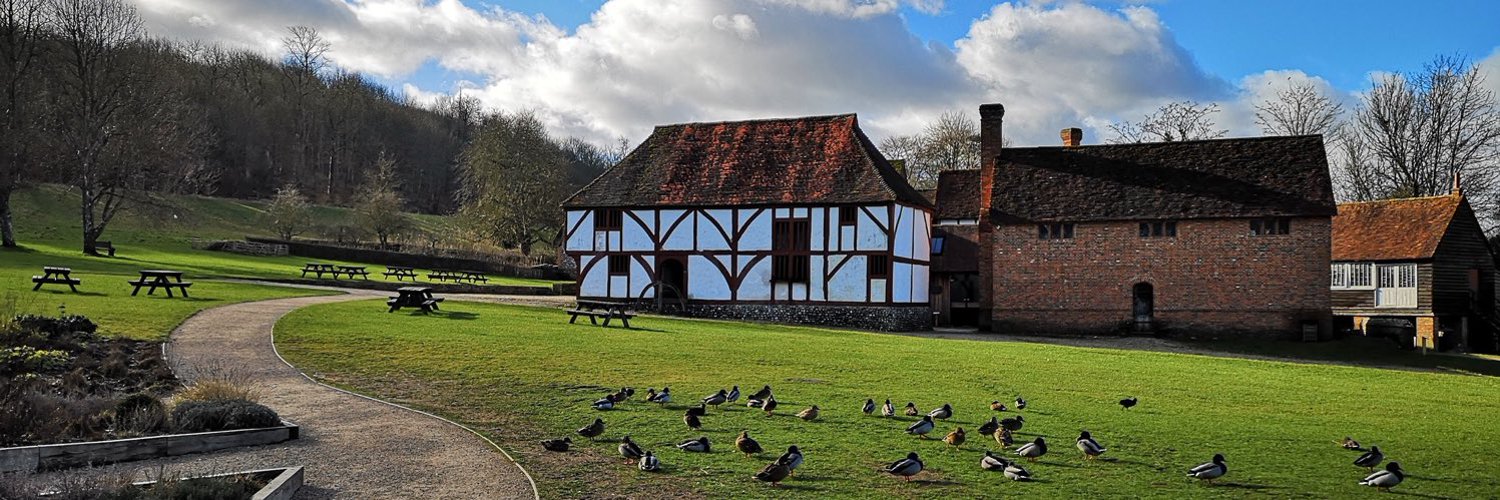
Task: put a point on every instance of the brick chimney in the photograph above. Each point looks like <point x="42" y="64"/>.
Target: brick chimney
<point x="1072" y="137"/>
<point x="1458" y="187"/>
<point x="991" y="117"/>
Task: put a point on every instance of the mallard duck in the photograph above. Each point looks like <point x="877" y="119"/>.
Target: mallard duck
<point x="1020" y="403"/>
<point x="663" y="397"/>
<point x="869" y="407"/>
<point x="809" y="414"/>
<point x="769" y="406"/>
<point x="699" y="445"/>
<point x="997" y="406"/>
<point x="906" y="467"/>
<point x="888" y="409"/>
<point x="650" y="394"/>
<point x="1003" y="436"/>
<point x="921" y="427"/>
<point x="991" y="462"/>
<point x="1089" y="446"/>
<point x="1211" y="470"/>
<point x="763" y="394"/>
<point x="955" y="438"/>
<point x="733" y="396"/>
<point x="1013" y="423"/>
<point x="624" y="394"/>
<point x="911" y="409"/>
<point x="630" y="450"/>
<point x="1127" y="403"/>
<point x="716" y="398"/>
<point x="755" y="403"/>
<point x="942" y="412"/>
<point x="650" y="463"/>
<point x="774" y="473"/>
<point x="1015" y="472"/>
<point x="1386" y="479"/>
<point x="557" y="444"/>
<point x="1349" y="443"/>
<point x="1370" y="459"/>
<point x="747" y="445"/>
<point x="1033" y="450"/>
<point x="989" y="428"/>
<point x="699" y="410"/>
<point x="593" y="430"/>
<point x="692" y="421"/>
<point x="604" y="403"/>
<point x="792" y="458"/>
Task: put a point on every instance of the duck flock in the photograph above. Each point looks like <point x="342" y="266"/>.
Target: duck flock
<point x="1000" y="429"/>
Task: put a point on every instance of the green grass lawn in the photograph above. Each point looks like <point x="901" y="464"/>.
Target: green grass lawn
<point x="520" y="374"/>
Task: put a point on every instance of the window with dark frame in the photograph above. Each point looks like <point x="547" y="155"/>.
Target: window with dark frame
<point x="1270" y="226"/>
<point x="790" y="250"/>
<point x="1054" y="231"/>
<point x="879" y="267"/>
<point x="609" y="219"/>
<point x="1159" y="229"/>
<point x="937" y="244"/>
<point x="848" y="216"/>
<point x="619" y="265"/>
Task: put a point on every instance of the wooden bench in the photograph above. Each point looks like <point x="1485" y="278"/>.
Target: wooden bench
<point x="56" y="276"/>
<point x="105" y="245"/>
<point x="595" y="310"/>
<point x="400" y="273"/>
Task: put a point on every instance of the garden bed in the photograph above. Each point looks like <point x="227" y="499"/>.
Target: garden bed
<point x="262" y="484"/>
<point x="65" y="455"/>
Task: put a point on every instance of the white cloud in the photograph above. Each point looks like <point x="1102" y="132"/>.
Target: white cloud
<point x="1490" y="67"/>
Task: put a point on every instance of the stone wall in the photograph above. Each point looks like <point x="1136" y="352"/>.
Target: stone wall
<point x="884" y="318"/>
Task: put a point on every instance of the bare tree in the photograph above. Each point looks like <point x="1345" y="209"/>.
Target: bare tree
<point x="379" y="206"/>
<point x="289" y="213"/>
<point x="1416" y="131"/>
<point x="949" y="143"/>
<point x="1177" y="121"/>
<point x="1301" y="109"/>
<point x="21" y="23"/>
<point x="304" y="61"/>
<point x="513" y="180"/>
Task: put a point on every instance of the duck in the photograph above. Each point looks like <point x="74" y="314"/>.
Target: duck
<point x="1349" y="443"/>
<point x="624" y="394"/>
<point x="1020" y="403"/>
<point x="1004" y="437"/>
<point x="1127" y="403"/>
<point x="769" y="406"/>
<point x="1386" y="479"/>
<point x="650" y="463"/>
<point x="717" y="398"/>
<point x="663" y="397"/>
<point x="1015" y="472"/>
<point x="911" y="409"/>
<point x="792" y="458"/>
<point x="746" y="444"/>
<point x="699" y="410"/>
<point x="955" y="438"/>
<point x="557" y="444"/>
<point x="989" y="428"/>
<point x="604" y="403"/>
<point x="1031" y="451"/>
<point x="942" y="412"/>
<point x="997" y="406"/>
<point x="1013" y="423"/>
<point x="650" y="394"/>
<point x="1090" y="448"/>
<point x="1211" y="470"/>
<point x="733" y="396"/>
<point x="593" y="430"/>
<point x="906" y="467"/>
<point x="700" y="445"/>
<point x="692" y="421"/>
<point x="809" y="414"/>
<point x="869" y="407"/>
<point x="991" y="462"/>
<point x="763" y="394"/>
<point x="774" y="473"/>
<point x="630" y="450"/>
<point x="1370" y="459"/>
<point x="921" y="427"/>
<point x="888" y="409"/>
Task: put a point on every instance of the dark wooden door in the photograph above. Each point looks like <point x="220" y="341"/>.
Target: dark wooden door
<point x="1143" y="303"/>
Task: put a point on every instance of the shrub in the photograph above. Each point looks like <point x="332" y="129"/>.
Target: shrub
<point x="56" y="326"/>
<point x="139" y="414"/>
<point x="205" y="416"/>
<point x="218" y="390"/>
<point x="27" y="359"/>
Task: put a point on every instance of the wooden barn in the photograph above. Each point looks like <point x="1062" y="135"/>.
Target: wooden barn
<point x="797" y="220"/>
<point x="1418" y="268"/>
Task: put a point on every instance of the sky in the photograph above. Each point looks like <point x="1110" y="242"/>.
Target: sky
<point x="603" y="69"/>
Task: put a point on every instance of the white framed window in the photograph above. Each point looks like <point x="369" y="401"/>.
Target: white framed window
<point x="1396" y="285"/>
<point x="1353" y="276"/>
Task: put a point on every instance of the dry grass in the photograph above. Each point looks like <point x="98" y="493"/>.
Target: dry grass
<point x="218" y="382"/>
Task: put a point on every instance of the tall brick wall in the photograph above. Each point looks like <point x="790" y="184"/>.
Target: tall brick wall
<point x="1213" y="279"/>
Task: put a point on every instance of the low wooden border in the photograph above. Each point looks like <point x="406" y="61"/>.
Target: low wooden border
<point x="282" y="487"/>
<point x="65" y="455"/>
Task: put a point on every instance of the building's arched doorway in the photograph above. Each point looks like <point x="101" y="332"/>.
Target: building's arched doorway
<point x="1143" y="305"/>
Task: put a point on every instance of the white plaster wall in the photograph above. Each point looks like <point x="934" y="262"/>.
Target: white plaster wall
<point x="582" y="239"/>
<point x="640" y="277"/>
<point x="757" y="282"/>
<point x="757" y="230"/>
<point x="595" y="283"/>
<point x="877" y="290"/>
<point x="920" y="285"/>
<point x="870" y="235"/>
<point x="850" y="284"/>
<point x="818" y="218"/>
<point x="815" y="268"/>
<point x="636" y="237"/>
<point x="705" y="282"/>
<point x="922" y="236"/>
<point x="681" y="238"/>
<point x="901" y="282"/>
<point x="902" y="246"/>
<point x="709" y="237"/>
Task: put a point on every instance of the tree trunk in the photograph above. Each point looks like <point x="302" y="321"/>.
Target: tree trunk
<point x="7" y="230"/>
<point x="90" y="236"/>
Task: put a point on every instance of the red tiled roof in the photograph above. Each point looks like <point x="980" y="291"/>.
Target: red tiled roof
<point x="957" y="195"/>
<point x="813" y="160"/>
<point x="1399" y="229"/>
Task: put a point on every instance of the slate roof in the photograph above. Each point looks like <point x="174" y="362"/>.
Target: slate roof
<point x="957" y="195"/>
<point x="797" y="161"/>
<point x="1399" y="229"/>
<point x="1220" y="178"/>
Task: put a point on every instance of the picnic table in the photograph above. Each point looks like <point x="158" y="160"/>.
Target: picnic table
<point x="443" y="275"/>
<point x="474" y="277"/>
<point x="55" y="276"/>
<point x="352" y="271"/>
<point x="319" y="269"/>
<point x="414" y="296"/>
<point x="596" y="309"/>
<point x="400" y="272"/>
<point x="152" y="279"/>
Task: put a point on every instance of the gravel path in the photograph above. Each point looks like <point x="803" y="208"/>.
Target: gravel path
<point x="352" y="447"/>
